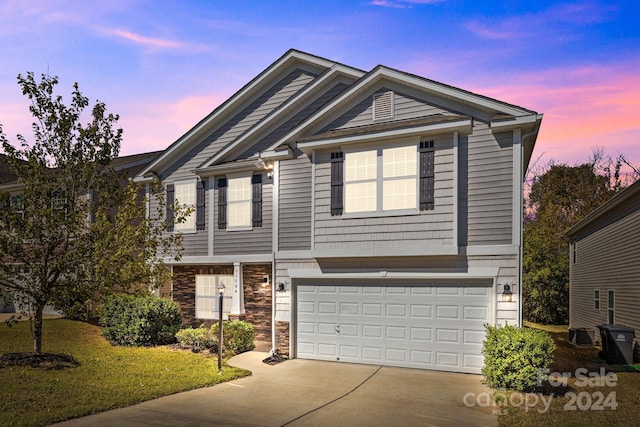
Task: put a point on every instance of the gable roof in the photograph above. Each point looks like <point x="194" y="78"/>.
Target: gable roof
<point x="6" y="173"/>
<point x="217" y="117"/>
<point x="608" y="207"/>
<point x="506" y="115"/>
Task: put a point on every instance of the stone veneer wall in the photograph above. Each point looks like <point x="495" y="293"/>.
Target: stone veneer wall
<point x="282" y="338"/>
<point x="257" y="299"/>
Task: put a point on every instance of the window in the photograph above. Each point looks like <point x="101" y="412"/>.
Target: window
<point x="574" y="251"/>
<point x="17" y="205"/>
<point x="596" y="299"/>
<point x="185" y="198"/>
<point x="381" y="180"/>
<point x="207" y="301"/>
<point x="239" y="202"/>
<point x="611" y="305"/>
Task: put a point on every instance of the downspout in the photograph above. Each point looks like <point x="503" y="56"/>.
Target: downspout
<point x="521" y="245"/>
<point x="274" y="247"/>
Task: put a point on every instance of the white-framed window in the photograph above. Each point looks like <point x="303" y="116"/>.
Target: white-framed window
<point x="239" y="202"/>
<point x="207" y="296"/>
<point x="596" y="299"/>
<point x="611" y="306"/>
<point x="381" y="180"/>
<point x="185" y="198"/>
<point x="574" y="251"/>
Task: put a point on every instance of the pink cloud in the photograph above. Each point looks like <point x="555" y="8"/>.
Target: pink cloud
<point x="153" y="126"/>
<point x="144" y="40"/>
<point x="583" y="108"/>
<point x="402" y="4"/>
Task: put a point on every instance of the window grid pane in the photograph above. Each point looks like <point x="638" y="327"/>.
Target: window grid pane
<point x="399" y="194"/>
<point x="207" y="296"/>
<point x="360" y="197"/>
<point x="361" y="166"/>
<point x="239" y="214"/>
<point x="399" y="162"/>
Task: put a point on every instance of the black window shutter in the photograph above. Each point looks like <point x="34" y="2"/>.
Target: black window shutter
<point x="256" y="200"/>
<point x="222" y="203"/>
<point x="337" y="182"/>
<point x="427" y="175"/>
<point x="200" y="204"/>
<point x="170" y="201"/>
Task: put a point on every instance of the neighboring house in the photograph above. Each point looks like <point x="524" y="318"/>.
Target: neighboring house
<point x="127" y="166"/>
<point x="604" y="265"/>
<point x="370" y="217"/>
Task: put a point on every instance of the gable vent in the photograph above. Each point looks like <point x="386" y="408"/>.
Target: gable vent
<point x="383" y="106"/>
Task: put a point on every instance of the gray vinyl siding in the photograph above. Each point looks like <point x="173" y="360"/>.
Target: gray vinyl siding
<point x="283" y="129"/>
<point x="270" y="100"/>
<point x="258" y="240"/>
<point x="295" y="205"/>
<point x="489" y="187"/>
<point x="607" y="258"/>
<point x="421" y="230"/>
<point x="406" y="107"/>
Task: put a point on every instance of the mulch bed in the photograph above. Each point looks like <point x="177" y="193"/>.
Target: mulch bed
<point x="43" y="360"/>
<point x="274" y="360"/>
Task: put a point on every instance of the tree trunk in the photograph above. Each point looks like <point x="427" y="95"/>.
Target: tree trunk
<point x="37" y="329"/>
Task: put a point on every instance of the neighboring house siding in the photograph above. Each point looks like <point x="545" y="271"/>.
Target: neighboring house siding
<point x="295" y="205"/>
<point x="489" y="187"/>
<point x="240" y="123"/>
<point x="426" y="229"/>
<point x="254" y="241"/>
<point x="405" y="107"/>
<point x="607" y="258"/>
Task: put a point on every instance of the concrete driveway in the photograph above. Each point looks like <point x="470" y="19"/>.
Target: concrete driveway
<point x="314" y="393"/>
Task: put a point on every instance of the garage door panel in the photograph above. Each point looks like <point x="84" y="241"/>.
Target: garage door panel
<point x="429" y="327"/>
<point x="372" y="309"/>
<point x="396" y="310"/>
<point x="450" y="312"/>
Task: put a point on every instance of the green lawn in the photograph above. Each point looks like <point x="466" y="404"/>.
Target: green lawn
<point x="107" y="377"/>
<point x="566" y="410"/>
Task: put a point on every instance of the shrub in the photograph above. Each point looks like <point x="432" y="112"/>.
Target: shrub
<point x="237" y="336"/>
<point x="198" y="339"/>
<point x="139" y="320"/>
<point x="514" y="358"/>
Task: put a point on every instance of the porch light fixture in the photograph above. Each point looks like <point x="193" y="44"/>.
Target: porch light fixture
<point x="280" y="287"/>
<point x="507" y="294"/>
<point x="220" y="298"/>
<point x="265" y="281"/>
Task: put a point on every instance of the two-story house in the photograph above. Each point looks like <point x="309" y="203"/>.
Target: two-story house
<point x="370" y="217"/>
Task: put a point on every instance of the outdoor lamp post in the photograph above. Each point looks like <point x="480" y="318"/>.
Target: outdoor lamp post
<point x="220" y="298"/>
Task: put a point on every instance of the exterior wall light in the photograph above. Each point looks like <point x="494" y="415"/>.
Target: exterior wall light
<point x="280" y="287"/>
<point x="507" y="293"/>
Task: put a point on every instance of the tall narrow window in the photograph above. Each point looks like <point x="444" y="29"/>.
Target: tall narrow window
<point x="207" y="296"/>
<point x="239" y="202"/>
<point x="611" y="306"/>
<point x="185" y="198"/>
<point x="596" y="299"/>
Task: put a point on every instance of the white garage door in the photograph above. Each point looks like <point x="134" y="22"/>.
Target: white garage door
<point x="430" y="327"/>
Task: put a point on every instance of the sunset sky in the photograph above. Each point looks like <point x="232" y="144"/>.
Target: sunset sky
<point x="163" y="65"/>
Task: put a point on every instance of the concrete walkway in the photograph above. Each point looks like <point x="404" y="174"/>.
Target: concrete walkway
<point x="313" y="393"/>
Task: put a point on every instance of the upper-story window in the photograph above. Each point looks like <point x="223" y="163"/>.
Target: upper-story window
<point x="381" y="180"/>
<point x="388" y="179"/>
<point x="185" y="198"/>
<point x="240" y="202"/>
<point x="185" y="195"/>
<point x="17" y="205"/>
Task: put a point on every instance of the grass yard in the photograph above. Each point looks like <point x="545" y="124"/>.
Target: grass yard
<point x="565" y="409"/>
<point x="108" y="377"/>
